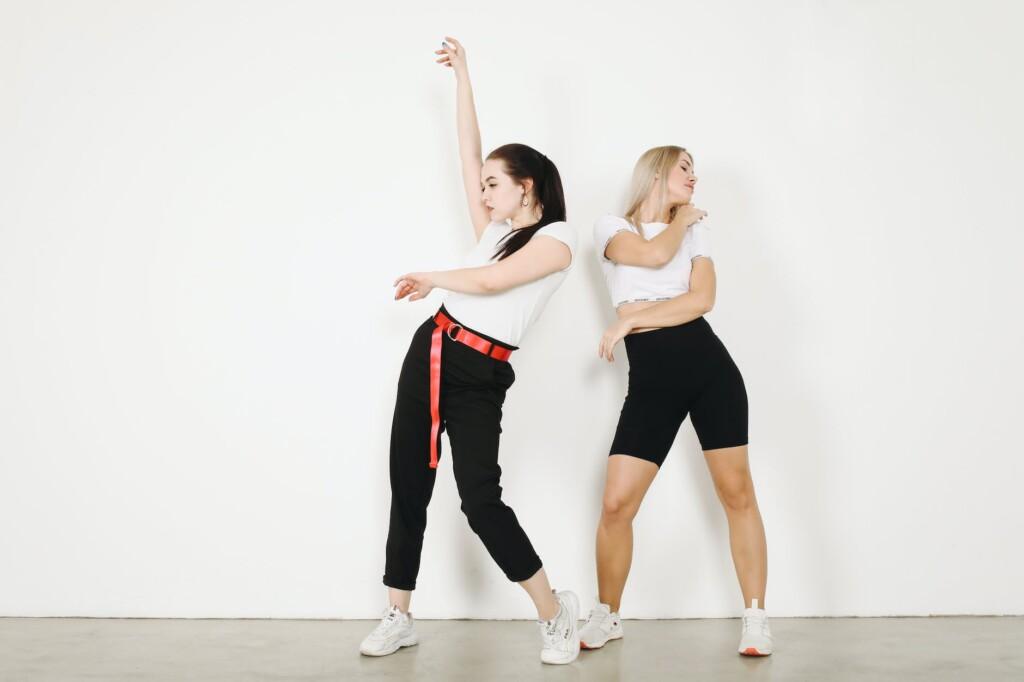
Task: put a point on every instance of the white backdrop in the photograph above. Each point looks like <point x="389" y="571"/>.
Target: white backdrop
<point x="204" y="204"/>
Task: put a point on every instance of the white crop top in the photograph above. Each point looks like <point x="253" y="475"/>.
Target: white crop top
<point x="632" y="283"/>
<point x="507" y="314"/>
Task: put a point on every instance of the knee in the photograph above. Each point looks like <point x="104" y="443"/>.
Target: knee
<point x="737" y="494"/>
<point x="480" y="501"/>
<point x="617" y="509"/>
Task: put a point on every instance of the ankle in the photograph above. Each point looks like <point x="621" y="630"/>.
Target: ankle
<point x="612" y="604"/>
<point x="551" y="612"/>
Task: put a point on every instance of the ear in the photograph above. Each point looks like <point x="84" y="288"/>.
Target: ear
<point x="527" y="185"/>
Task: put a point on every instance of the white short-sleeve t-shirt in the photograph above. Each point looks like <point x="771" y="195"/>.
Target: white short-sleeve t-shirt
<point x="507" y="314"/>
<point x="632" y="283"/>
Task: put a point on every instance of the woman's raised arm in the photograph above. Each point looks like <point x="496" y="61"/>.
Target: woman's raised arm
<point x="453" y="56"/>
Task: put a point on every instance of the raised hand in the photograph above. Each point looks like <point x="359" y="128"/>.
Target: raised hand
<point x="453" y="55"/>
<point x="688" y="214"/>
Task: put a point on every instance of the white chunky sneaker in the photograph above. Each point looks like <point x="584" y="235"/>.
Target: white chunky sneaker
<point x="392" y="633"/>
<point x="602" y="625"/>
<point x="757" y="637"/>
<point x="559" y="636"/>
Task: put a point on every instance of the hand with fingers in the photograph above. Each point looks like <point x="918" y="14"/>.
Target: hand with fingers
<point x="453" y="55"/>
<point x="615" y="332"/>
<point x="415" y="285"/>
<point x="688" y="214"/>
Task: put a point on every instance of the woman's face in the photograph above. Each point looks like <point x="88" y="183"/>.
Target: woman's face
<point x="500" y="193"/>
<point x="681" y="181"/>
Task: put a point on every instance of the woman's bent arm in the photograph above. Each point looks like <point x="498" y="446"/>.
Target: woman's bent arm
<point x="541" y="256"/>
<point x="698" y="300"/>
<point x="627" y="248"/>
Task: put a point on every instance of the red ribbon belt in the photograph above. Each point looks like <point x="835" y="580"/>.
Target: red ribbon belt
<point x="445" y="325"/>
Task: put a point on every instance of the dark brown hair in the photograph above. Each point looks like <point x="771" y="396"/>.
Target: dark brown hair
<point x="522" y="161"/>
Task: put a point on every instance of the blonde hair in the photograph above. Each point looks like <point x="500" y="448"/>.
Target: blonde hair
<point x="655" y="161"/>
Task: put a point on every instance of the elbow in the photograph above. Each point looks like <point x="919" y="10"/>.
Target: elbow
<point x="489" y="284"/>
<point x="658" y="257"/>
<point x="703" y="300"/>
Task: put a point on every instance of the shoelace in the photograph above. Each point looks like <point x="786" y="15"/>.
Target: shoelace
<point x="607" y="623"/>
<point x="758" y="622"/>
<point x="387" y="620"/>
<point x="550" y="631"/>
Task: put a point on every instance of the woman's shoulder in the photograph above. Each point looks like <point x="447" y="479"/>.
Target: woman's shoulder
<point x="697" y="230"/>
<point x="608" y="224"/>
<point x="611" y="218"/>
<point x="561" y="230"/>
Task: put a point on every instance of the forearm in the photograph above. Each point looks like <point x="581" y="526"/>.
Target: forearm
<point x="667" y="242"/>
<point x="679" y="310"/>
<point x="469" y="130"/>
<point x="463" y="280"/>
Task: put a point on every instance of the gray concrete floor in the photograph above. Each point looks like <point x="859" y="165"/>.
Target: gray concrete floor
<point x="820" y="649"/>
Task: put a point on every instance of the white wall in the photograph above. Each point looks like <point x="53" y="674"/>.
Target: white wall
<point x="203" y="207"/>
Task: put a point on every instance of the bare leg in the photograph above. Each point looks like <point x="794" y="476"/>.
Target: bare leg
<point x="537" y="586"/>
<point x="627" y="481"/>
<point x="730" y="471"/>
<point x="539" y="589"/>
<point x="399" y="598"/>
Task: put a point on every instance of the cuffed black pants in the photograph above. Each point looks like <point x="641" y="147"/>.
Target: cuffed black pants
<point x="473" y="387"/>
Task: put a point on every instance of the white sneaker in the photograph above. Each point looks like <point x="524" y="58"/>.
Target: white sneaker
<point x="602" y="625"/>
<point x="560" y="636"/>
<point x="392" y="633"/>
<point x="757" y="637"/>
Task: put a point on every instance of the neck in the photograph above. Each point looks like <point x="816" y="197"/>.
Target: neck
<point x="526" y="216"/>
<point x="649" y="214"/>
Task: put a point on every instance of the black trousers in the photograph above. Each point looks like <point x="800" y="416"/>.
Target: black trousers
<point x="473" y="387"/>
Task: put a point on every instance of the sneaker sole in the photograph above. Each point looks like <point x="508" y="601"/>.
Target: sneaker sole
<point x="408" y="641"/>
<point x="751" y="651"/>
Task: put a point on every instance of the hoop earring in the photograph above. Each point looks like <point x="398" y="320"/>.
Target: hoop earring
<point x="526" y="202"/>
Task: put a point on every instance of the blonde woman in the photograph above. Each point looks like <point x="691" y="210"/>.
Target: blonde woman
<point x="658" y="268"/>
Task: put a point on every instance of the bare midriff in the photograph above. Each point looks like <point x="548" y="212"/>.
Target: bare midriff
<point x="629" y="308"/>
